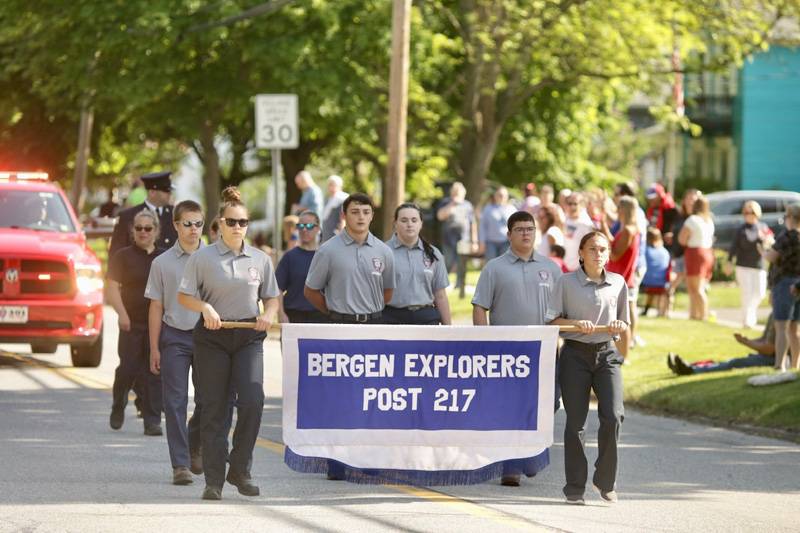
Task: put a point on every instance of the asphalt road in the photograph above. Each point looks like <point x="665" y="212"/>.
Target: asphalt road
<point x="64" y="469"/>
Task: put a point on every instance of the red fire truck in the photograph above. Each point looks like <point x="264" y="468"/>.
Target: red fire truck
<point x="51" y="283"/>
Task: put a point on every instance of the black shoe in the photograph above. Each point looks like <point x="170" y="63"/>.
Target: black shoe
<point x="153" y="431"/>
<point x="243" y="484"/>
<point x="212" y="493"/>
<point x="117" y="418"/>
<point x="196" y="462"/>
<point x="510" y="480"/>
<point x="671" y="362"/>
<point x="681" y="368"/>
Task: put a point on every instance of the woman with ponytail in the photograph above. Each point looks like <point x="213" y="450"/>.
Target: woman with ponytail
<point x="420" y="274"/>
<point x="224" y="282"/>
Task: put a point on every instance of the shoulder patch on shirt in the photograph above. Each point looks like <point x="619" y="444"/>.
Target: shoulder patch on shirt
<point x="377" y="264"/>
<point x="426" y="261"/>
<point x="544" y="275"/>
<point x="254" y="276"/>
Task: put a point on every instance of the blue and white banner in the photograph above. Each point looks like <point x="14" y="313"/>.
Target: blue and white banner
<point x="416" y="398"/>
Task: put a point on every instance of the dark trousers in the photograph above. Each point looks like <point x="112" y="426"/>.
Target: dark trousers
<point x="305" y="317"/>
<point x="427" y="316"/>
<point x="226" y="360"/>
<point x="134" y="367"/>
<point x="177" y="363"/>
<point x="582" y="369"/>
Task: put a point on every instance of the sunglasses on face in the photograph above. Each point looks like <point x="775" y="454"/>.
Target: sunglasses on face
<point x="146" y="229"/>
<point x="307" y="226"/>
<point x="231" y="222"/>
<point x="189" y="224"/>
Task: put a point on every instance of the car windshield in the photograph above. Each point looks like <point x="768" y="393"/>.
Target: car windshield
<point x="35" y="210"/>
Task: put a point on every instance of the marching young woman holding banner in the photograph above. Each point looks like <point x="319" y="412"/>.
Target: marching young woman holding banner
<point x="590" y="297"/>
<point x="514" y="290"/>
<point x="420" y="274"/>
<point x="224" y="282"/>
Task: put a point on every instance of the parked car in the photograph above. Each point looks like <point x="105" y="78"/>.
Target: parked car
<point x="51" y="283"/>
<point x="727" y="210"/>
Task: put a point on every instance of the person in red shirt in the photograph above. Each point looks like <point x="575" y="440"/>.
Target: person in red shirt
<point x="624" y="253"/>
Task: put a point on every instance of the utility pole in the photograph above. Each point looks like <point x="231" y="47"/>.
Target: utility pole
<point x="394" y="188"/>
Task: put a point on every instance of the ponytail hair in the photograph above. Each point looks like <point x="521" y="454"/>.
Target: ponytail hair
<point x="427" y="249"/>
<point x="231" y="197"/>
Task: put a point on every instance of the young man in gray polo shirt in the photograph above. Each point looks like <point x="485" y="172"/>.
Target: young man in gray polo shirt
<point x="171" y="345"/>
<point x="514" y="289"/>
<point x="352" y="275"/>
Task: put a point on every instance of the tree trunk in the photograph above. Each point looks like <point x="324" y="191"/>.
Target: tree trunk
<point x="211" y="170"/>
<point x="78" y="192"/>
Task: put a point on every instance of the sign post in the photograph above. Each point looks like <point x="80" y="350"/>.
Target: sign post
<point x="277" y="129"/>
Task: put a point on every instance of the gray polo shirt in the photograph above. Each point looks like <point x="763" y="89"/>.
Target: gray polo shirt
<point x="576" y="297"/>
<point x="514" y="291"/>
<point x="416" y="276"/>
<point x="352" y="275"/>
<point x="162" y="285"/>
<point x="231" y="283"/>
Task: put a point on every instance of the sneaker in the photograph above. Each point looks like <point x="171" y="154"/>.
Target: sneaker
<point x="671" y="362"/>
<point x="153" y="431"/>
<point x="510" y="480"/>
<point x="196" y="462"/>
<point x="681" y="368"/>
<point x="117" y="418"/>
<point x="243" y="483"/>
<point x="212" y="493"/>
<point x="608" y="496"/>
<point x="575" y="500"/>
<point x="181" y="476"/>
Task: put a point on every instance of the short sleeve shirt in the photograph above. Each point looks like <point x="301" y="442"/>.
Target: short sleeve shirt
<point x="701" y="232"/>
<point x="576" y="297"/>
<point x="494" y="222"/>
<point x="516" y="292"/>
<point x="787" y="244"/>
<point x="458" y="226"/>
<point x="162" y="285"/>
<point x="130" y="267"/>
<point x="291" y="276"/>
<point x="232" y="283"/>
<point x="311" y="199"/>
<point x="352" y="276"/>
<point x="417" y="276"/>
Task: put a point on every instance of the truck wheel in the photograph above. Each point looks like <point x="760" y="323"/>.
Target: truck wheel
<point x="88" y="355"/>
<point x="44" y="348"/>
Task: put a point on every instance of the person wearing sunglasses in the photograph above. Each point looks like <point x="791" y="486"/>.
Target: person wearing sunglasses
<point x="128" y="271"/>
<point x="171" y="345"/>
<point x="514" y="290"/>
<point x="292" y="271"/>
<point x="225" y="282"/>
<point x="421" y="275"/>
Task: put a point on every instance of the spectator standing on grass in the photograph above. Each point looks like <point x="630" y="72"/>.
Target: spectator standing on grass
<point x="697" y="238"/>
<point x="576" y="225"/>
<point x="551" y="228"/>
<point x="332" y="220"/>
<point x="751" y="239"/>
<point x="661" y="210"/>
<point x="656" y="280"/>
<point x="311" y="197"/>
<point x="492" y="230"/>
<point x="785" y="259"/>
<point x="672" y="243"/>
<point x="530" y="202"/>
<point x="457" y="218"/>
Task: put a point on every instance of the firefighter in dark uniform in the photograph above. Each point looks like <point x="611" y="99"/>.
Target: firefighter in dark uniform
<point x="589" y="361"/>
<point x="128" y="271"/>
<point x="420" y="295"/>
<point x="225" y="281"/>
<point x="159" y="192"/>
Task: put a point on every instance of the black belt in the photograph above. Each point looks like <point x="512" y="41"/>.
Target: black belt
<point x="411" y="308"/>
<point x="592" y="347"/>
<point x="360" y="318"/>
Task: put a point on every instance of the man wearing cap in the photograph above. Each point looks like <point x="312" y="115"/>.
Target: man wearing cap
<point x="159" y="191"/>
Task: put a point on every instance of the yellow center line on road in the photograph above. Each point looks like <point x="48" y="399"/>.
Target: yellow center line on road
<point x="453" y="503"/>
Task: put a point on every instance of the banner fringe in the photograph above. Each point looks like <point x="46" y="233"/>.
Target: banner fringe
<point x="528" y="466"/>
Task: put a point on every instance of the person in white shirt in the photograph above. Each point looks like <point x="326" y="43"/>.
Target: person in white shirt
<point x="576" y="225"/>
<point x="697" y="237"/>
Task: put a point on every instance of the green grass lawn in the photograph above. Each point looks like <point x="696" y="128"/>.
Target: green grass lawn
<point x="724" y="396"/>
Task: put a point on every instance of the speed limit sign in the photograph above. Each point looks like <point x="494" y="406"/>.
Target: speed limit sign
<point x="276" y="121"/>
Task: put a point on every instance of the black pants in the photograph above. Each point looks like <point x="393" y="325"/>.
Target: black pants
<point x="305" y="317"/>
<point x="134" y="368"/>
<point x="582" y="369"/>
<point x="225" y="360"/>
<point x="427" y="316"/>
